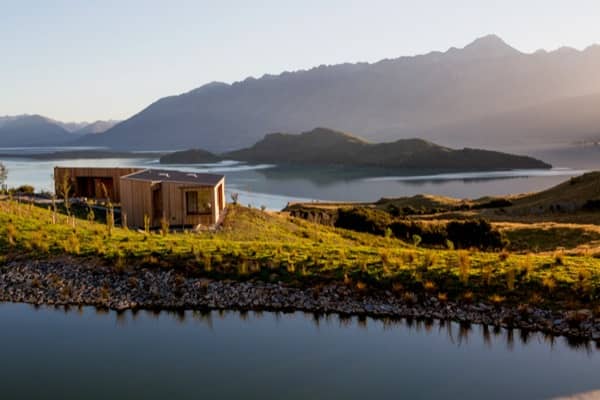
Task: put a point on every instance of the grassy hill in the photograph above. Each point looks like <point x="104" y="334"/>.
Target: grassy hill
<point x="566" y="216"/>
<point x="303" y="253"/>
<point x="323" y="146"/>
<point x="573" y="195"/>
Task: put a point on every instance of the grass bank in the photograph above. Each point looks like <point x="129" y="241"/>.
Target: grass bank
<point x="253" y="244"/>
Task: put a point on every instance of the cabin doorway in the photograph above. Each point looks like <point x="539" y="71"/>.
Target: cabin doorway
<point x="220" y="197"/>
<point x="94" y="187"/>
<point x="157" y="204"/>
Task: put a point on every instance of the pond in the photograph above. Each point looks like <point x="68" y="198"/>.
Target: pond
<point x="50" y="353"/>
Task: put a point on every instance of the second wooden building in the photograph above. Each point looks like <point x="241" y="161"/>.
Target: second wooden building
<point x="179" y="198"/>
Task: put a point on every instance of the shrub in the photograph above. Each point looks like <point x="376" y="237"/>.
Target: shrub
<point x="164" y="226"/>
<point x="416" y="239"/>
<point x="496" y="299"/>
<point x="363" y="219"/>
<point x="510" y="278"/>
<point x="11" y="234"/>
<point x="479" y="234"/>
<point x="464" y="265"/>
<point x="592" y="205"/>
<point x="146" y="224"/>
<point x="495" y="203"/>
<point x="429" y="286"/>
<point x="430" y="234"/>
<point x="25" y="189"/>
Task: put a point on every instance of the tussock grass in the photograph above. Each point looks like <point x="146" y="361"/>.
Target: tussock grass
<point x="252" y="244"/>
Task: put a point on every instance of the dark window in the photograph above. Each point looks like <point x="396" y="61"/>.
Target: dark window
<point x="198" y="202"/>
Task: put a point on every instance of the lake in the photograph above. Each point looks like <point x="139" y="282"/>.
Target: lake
<point x="274" y="186"/>
<point x="50" y="353"/>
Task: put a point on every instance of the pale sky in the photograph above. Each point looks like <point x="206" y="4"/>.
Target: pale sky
<point x="87" y="60"/>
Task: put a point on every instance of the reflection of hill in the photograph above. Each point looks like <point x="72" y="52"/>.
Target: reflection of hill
<point x="323" y="175"/>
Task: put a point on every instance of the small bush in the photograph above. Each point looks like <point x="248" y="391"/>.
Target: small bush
<point x="464" y="265"/>
<point x="164" y="226"/>
<point x="25" y="190"/>
<point x="592" y="205"/>
<point x="362" y="219"/>
<point x="478" y="234"/>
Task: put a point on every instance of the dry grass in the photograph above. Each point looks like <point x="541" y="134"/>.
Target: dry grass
<point x="257" y="245"/>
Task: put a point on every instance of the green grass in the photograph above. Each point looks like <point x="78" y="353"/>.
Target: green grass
<point x="260" y="245"/>
<point x="541" y="238"/>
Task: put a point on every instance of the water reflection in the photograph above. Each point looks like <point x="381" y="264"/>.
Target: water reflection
<point x="459" y="334"/>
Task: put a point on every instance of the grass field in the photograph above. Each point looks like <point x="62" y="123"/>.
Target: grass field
<point x="253" y="244"/>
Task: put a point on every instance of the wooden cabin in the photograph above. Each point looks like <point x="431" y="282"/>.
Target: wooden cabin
<point x="91" y="183"/>
<point x="182" y="198"/>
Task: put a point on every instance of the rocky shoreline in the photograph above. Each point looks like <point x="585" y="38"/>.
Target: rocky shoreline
<point x="72" y="283"/>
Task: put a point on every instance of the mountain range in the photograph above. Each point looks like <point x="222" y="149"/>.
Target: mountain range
<point x="36" y="130"/>
<point x="487" y="94"/>
<point x="323" y="146"/>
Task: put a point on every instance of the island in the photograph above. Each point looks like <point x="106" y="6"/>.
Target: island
<point x="323" y="146"/>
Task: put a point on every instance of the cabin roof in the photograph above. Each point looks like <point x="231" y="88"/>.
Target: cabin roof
<point x="163" y="175"/>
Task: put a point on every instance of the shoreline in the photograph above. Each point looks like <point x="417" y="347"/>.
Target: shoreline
<point x="69" y="282"/>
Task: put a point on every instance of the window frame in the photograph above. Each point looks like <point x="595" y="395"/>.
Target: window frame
<point x="197" y="194"/>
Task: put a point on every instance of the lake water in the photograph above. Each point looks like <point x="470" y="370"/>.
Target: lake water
<point x="274" y="186"/>
<point x="50" y="353"/>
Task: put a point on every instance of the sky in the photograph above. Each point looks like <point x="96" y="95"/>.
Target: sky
<point x="85" y="60"/>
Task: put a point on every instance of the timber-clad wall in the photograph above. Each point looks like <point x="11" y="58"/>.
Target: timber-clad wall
<point x="138" y="201"/>
<point x="92" y="177"/>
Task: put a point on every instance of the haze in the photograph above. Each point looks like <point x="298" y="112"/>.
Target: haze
<point x="74" y="60"/>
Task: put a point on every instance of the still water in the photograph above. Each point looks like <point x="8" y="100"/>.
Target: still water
<point x="50" y="353"/>
<point x="274" y="186"/>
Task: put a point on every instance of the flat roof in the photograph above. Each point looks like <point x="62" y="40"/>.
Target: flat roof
<point x="164" y="175"/>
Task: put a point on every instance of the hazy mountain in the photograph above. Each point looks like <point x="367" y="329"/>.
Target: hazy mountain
<point x="37" y="130"/>
<point x="69" y="126"/>
<point x="96" y="127"/>
<point x="6" y="119"/>
<point x="323" y="146"/>
<point x="32" y="130"/>
<point x="563" y="120"/>
<point x="487" y="93"/>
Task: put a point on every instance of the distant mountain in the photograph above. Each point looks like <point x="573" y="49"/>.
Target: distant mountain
<point x="448" y="96"/>
<point x="37" y="130"/>
<point x="96" y="127"/>
<point x="69" y="126"/>
<point x="32" y="130"/>
<point x="6" y="119"/>
<point x="323" y="146"/>
<point x="564" y="120"/>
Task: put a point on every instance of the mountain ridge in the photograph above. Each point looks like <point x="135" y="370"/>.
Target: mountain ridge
<point x="405" y="97"/>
